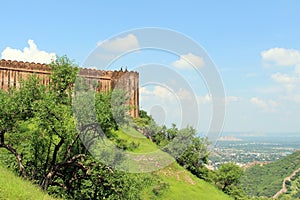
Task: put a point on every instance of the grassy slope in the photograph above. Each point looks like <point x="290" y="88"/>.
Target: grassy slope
<point x="182" y="184"/>
<point x="267" y="180"/>
<point x="14" y="188"/>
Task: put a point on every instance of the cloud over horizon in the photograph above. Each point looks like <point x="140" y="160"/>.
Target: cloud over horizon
<point x="288" y="81"/>
<point x="189" y="61"/>
<point x="120" y="44"/>
<point x="281" y="56"/>
<point x="268" y="106"/>
<point x="29" y="54"/>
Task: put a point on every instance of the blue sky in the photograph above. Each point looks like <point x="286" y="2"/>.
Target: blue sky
<point x="262" y="89"/>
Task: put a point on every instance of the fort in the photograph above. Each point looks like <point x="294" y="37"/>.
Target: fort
<point x="11" y="72"/>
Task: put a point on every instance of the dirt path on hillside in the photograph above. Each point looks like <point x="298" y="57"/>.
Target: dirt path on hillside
<point x="260" y="163"/>
<point x="283" y="189"/>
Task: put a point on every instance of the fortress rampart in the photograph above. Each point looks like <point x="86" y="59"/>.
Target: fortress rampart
<point x="11" y="73"/>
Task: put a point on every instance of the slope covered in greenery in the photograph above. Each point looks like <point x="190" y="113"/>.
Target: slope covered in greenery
<point x="293" y="188"/>
<point x="175" y="182"/>
<point x="267" y="180"/>
<point x="13" y="187"/>
<point x="51" y="136"/>
<point x="171" y="182"/>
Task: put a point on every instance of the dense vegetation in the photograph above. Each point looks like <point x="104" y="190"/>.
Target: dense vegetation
<point x="267" y="180"/>
<point x="195" y="155"/>
<point x="41" y="140"/>
<point x="293" y="188"/>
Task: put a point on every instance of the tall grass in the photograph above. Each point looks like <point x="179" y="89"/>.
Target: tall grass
<point x="15" y="188"/>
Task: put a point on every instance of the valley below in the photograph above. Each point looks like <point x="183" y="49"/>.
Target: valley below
<point x="247" y="149"/>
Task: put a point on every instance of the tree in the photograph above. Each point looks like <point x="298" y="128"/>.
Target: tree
<point x="227" y="178"/>
<point x="104" y="112"/>
<point x="17" y="106"/>
<point x="228" y="174"/>
<point x="195" y="154"/>
<point x="190" y="150"/>
<point x="63" y="76"/>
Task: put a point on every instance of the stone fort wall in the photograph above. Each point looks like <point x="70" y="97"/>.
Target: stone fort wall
<point x="12" y="71"/>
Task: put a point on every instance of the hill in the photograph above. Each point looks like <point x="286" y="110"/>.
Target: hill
<point x="292" y="187"/>
<point x="173" y="181"/>
<point x="13" y="187"/>
<point x="267" y="180"/>
<point x="179" y="183"/>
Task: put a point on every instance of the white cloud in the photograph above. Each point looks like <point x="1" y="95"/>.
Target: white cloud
<point x="165" y="94"/>
<point x="153" y="96"/>
<point x="144" y="91"/>
<point x="283" y="78"/>
<point x="121" y="44"/>
<point x="30" y="54"/>
<point x="269" y="106"/>
<point x="159" y="92"/>
<point x="260" y="103"/>
<point x="281" y="56"/>
<point x="184" y="94"/>
<point x="204" y="99"/>
<point x="288" y="81"/>
<point x="284" y="57"/>
<point x="189" y="60"/>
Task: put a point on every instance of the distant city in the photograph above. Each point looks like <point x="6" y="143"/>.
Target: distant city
<point x="245" y="149"/>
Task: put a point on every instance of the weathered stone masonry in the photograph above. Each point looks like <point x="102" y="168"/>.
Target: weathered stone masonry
<point x="12" y="71"/>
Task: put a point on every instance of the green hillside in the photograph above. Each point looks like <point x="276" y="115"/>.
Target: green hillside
<point x="44" y="132"/>
<point x="175" y="182"/>
<point x="181" y="183"/>
<point x="184" y="185"/>
<point x="14" y="188"/>
<point x="267" y="180"/>
<point x="293" y="188"/>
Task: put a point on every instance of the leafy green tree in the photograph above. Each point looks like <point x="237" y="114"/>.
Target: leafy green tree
<point x="63" y="76"/>
<point x="190" y="150"/>
<point x="195" y="154"/>
<point x="18" y="106"/>
<point x="228" y="174"/>
<point x="104" y="112"/>
<point x="227" y="178"/>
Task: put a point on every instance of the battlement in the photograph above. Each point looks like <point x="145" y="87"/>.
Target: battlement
<point x="12" y="71"/>
<point x="25" y="66"/>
